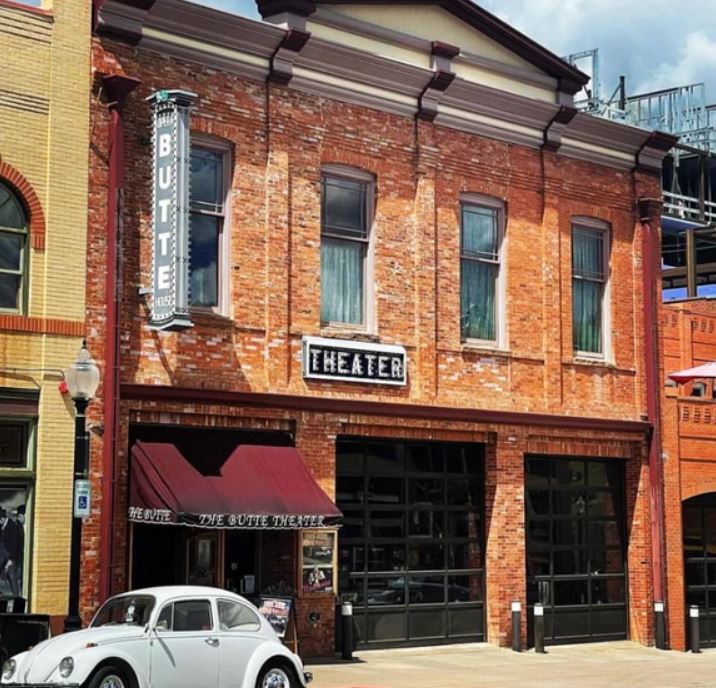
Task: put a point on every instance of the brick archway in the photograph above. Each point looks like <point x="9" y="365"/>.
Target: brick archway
<point x="32" y="204"/>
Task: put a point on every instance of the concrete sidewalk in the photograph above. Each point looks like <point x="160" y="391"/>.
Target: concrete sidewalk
<point x="596" y="665"/>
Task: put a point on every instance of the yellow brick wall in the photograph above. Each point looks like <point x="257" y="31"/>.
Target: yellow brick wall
<point x="44" y="110"/>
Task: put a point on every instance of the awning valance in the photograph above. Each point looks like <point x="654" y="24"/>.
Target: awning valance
<point x="259" y="488"/>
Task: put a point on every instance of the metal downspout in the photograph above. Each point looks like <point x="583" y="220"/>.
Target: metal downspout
<point x="656" y="498"/>
<point x="117" y="89"/>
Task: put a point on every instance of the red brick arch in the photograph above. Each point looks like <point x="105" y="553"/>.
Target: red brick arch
<point x="32" y="203"/>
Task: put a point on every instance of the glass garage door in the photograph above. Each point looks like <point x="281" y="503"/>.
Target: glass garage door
<point x="576" y="549"/>
<point x="410" y="549"/>
<point x="700" y="564"/>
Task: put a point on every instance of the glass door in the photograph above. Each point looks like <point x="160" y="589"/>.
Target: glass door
<point x="203" y="555"/>
<point x="576" y="550"/>
<point x="410" y="550"/>
<point x="699" y="524"/>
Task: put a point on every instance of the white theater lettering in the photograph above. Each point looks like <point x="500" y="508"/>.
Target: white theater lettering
<point x="333" y="359"/>
<point x="142" y="515"/>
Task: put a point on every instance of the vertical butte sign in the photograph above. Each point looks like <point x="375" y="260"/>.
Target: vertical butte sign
<point x="170" y="264"/>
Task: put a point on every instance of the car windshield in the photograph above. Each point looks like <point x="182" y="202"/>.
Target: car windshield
<point x="126" y="609"/>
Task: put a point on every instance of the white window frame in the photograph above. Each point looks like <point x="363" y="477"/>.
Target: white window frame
<point x="355" y="174"/>
<point x="480" y="200"/>
<point x="223" y="290"/>
<point x="594" y="224"/>
<point x="24" y="271"/>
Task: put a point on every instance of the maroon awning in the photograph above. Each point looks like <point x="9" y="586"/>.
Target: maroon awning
<point x="259" y="487"/>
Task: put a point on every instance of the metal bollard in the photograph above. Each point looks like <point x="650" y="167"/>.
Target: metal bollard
<point x="694" y="628"/>
<point x="539" y="628"/>
<point x="660" y="626"/>
<point x="347" y="621"/>
<point x="516" y="614"/>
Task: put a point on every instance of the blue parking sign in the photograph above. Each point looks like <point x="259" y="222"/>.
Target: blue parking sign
<point x="82" y="499"/>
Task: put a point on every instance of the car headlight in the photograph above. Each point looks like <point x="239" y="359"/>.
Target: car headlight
<point x="67" y="666"/>
<point x="8" y="669"/>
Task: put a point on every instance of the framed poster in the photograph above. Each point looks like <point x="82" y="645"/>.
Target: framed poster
<point x="13" y="541"/>
<point x="277" y="611"/>
<point x="318" y="561"/>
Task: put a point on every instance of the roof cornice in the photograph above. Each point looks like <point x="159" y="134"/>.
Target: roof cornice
<point x="571" y="78"/>
<point x="263" y="51"/>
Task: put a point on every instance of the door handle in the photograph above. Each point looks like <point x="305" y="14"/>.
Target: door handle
<point x="214" y="642"/>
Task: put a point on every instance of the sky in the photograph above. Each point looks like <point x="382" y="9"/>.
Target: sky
<point x="655" y="44"/>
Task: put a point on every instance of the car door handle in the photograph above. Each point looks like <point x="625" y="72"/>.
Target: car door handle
<point x="214" y="642"/>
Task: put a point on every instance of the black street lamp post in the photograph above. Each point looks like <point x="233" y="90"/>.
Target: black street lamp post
<point x="82" y="382"/>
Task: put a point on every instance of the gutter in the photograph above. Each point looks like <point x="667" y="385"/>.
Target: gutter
<point x="117" y="88"/>
<point x="649" y="210"/>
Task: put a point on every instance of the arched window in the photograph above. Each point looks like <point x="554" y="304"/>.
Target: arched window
<point x="13" y="250"/>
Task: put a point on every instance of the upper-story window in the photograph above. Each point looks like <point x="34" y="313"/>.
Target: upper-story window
<point x="208" y="239"/>
<point x="481" y="235"/>
<point x="346" y="218"/>
<point x="13" y="251"/>
<point x="590" y="263"/>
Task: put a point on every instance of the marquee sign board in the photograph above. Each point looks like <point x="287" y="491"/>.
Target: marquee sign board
<point x="170" y="264"/>
<point x="238" y="521"/>
<point x="337" y="359"/>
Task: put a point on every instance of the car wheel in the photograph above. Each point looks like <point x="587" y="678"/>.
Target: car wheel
<point x="275" y="676"/>
<point x="108" y="677"/>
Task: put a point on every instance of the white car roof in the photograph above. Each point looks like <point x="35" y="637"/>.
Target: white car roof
<point x="166" y="592"/>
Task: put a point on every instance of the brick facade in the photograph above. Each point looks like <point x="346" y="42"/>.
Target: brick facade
<point x="43" y="159"/>
<point x="280" y="138"/>
<point x="689" y="440"/>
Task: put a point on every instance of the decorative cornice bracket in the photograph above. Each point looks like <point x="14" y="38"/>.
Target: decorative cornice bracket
<point x="286" y="55"/>
<point x="555" y="129"/>
<point x="442" y="55"/>
<point x="650" y="156"/>
<point x="123" y="20"/>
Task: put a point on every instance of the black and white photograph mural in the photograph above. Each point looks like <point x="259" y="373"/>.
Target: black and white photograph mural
<point x="13" y="505"/>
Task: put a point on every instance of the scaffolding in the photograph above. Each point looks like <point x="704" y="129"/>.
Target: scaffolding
<point x="689" y="172"/>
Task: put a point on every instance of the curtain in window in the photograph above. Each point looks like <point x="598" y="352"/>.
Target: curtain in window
<point x="587" y="289"/>
<point x="341" y="281"/>
<point x="587" y="315"/>
<point x="480" y="232"/>
<point x="477" y="296"/>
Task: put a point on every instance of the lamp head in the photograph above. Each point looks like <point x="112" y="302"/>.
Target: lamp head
<point x="83" y="376"/>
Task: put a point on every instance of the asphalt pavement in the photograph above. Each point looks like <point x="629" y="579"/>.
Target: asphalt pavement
<point x="594" y="665"/>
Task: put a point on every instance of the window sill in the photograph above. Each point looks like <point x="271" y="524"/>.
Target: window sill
<point x="484" y="348"/>
<point x="586" y="362"/>
<point x="202" y="316"/>
<point x="591" y="360"/>
<point x="336" y="331"/>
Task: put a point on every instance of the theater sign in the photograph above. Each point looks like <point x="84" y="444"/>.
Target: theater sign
<point x="337" y="359"/>
<point x="170" y="209"/>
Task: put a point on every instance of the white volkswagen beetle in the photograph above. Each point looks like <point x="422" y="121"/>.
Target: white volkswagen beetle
<point x="165" y="637"/>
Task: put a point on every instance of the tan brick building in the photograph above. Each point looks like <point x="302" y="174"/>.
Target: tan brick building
<point x="415" y="262"/>
<point x="690" y="468"/>
<point x="43" y="217"/>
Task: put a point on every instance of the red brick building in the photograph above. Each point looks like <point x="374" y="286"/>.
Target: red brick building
<point x="413" y="261"/>
<point x="689" y="468"/>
